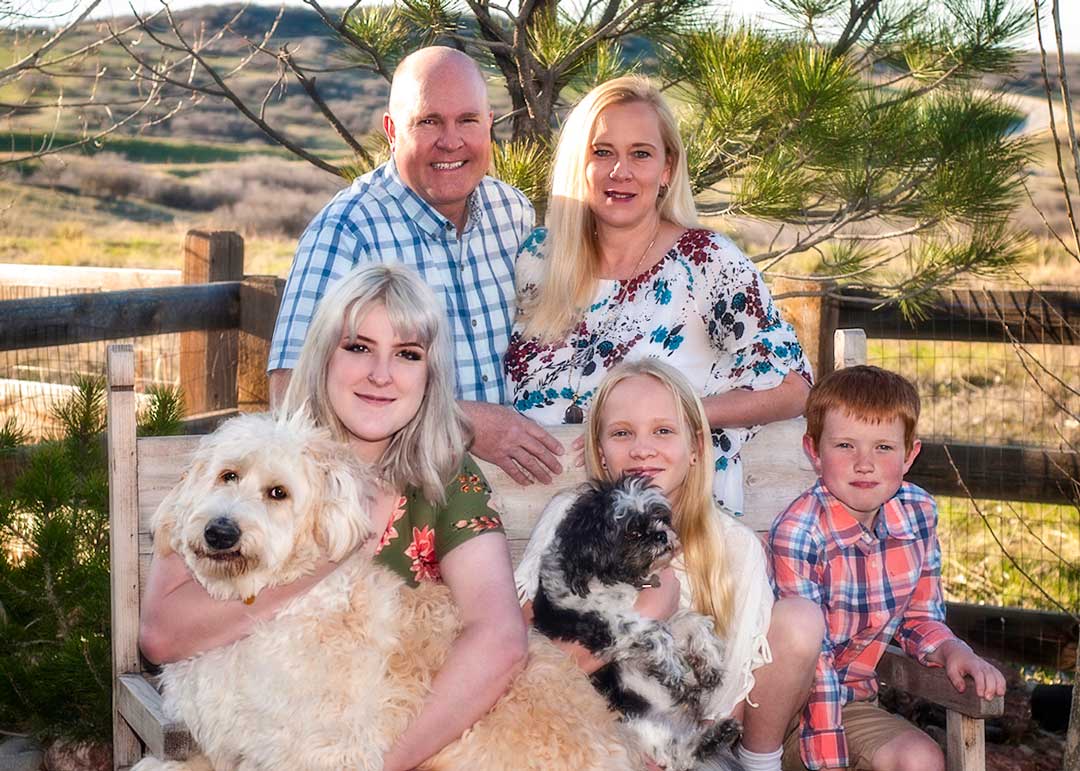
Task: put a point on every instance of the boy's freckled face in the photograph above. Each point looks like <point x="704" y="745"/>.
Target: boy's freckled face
<point x="862" y="463"/>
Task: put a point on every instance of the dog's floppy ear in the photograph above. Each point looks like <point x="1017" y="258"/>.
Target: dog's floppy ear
<point x="588" y="540"/>
<point x="343" y="519"/>
<point x="178" y="499"/>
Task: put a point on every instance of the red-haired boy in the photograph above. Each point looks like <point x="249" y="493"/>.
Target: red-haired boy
<point x="862" y="545"/>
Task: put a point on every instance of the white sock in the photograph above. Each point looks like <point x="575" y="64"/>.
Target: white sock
<point x="760" y="761"/>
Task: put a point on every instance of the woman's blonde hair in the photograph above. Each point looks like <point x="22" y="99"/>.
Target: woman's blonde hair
<point x="570" y="270"/>
<point x="695" y="514"/>
<point x="427" y="452"/>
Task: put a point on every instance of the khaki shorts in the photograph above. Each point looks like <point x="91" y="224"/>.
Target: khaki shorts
<point x="867" y="726"/>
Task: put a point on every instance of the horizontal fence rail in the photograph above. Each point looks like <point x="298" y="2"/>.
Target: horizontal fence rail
<point x="1025" y="473"/>
<point x="43" y="321"/>
<point x="975" y="315"/>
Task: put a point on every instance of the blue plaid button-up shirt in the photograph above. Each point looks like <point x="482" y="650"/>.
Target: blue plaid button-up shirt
<point x="378" y="218"/>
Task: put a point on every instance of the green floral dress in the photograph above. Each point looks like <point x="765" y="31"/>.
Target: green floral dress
<point x="420" y="533"/>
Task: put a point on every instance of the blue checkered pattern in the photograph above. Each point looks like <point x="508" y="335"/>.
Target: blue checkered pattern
<point x="378" y="218"/>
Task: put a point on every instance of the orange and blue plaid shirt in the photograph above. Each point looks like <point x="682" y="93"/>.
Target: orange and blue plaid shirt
<point x="872" y="585"/>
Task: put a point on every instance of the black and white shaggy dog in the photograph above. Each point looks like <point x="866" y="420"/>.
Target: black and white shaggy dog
<point x="588" y="558"/>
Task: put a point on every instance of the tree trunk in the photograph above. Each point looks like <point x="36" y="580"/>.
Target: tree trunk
<point x="1072" y="738"/>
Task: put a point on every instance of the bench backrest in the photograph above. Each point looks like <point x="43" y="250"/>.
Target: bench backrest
<point x="143" y="470"/>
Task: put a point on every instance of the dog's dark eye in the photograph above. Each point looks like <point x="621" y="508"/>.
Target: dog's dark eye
<point x="229" y="476"/>
<point x="278" y="493"/>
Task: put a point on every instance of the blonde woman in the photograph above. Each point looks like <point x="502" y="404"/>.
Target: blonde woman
<point x="376" y="368"/>
<point x="623" y="271"/>
<point x="647" y="420"/>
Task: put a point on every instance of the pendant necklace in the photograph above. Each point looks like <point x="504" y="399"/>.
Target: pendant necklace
<point x="574" y="413"/>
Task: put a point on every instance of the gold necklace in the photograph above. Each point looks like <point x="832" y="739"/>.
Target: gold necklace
<point x="644" y="254"/>
<point x="574" y="413"/>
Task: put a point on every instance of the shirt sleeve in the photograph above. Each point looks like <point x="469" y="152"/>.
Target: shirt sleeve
<point x="467" y="512"/>
<point x="922" y="628"/>
<point x="756" y="347"/>
<point x="797" y="563"/>
<point x="328" y="249"/>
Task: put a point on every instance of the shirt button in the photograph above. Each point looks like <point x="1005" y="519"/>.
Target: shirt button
<point x="484" y="378"/>
<point x="474" y="322"/>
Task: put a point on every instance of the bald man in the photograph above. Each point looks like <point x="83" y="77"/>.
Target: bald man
<point x="433" y="207"/>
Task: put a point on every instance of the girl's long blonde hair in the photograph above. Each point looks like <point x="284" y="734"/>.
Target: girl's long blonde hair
<point x="570" y="269"/>
<point x="695" y="514"/>
<point x="427" y="452"/>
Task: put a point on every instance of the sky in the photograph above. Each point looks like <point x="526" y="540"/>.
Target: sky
<point x="757" y="10"/>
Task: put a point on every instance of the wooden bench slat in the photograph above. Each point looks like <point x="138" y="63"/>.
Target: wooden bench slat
<point x="902" y="671"/>
<point x="140" y="704"/>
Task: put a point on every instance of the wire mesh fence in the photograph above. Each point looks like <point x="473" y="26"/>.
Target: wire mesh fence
<point x="997" y="550"/>
<point x="34" y="380"/>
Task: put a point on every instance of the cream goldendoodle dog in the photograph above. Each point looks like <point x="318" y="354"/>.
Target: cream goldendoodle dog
<point x="340" y="671"/>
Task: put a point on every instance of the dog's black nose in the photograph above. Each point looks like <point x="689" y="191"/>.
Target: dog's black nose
<point x="221" y="533"/>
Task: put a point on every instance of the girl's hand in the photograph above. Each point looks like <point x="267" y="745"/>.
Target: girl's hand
<point x="660" y="602"/>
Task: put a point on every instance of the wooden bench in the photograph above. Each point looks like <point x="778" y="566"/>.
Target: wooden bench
<point x="142" y="470"/>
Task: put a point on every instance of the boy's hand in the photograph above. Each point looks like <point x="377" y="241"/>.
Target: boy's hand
<point x="959" y="660"/>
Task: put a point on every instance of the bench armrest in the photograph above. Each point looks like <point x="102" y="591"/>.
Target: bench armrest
<point x="931" y="683"/>
<point x="139" y="703"/>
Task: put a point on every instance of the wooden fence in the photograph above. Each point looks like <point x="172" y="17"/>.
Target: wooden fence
<point x="997" y="316"/>
<point x="226" y="321"/>
<point x="225" y="318"/>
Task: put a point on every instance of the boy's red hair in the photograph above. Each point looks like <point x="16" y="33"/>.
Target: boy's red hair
<point x="866" y="393"/>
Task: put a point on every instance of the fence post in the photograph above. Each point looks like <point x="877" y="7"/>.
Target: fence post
<point x="806" y="307"/>
<point x="260" y="297"/>
<point x="208" y="359"/>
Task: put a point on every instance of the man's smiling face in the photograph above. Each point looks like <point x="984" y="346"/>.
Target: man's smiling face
<point x="439" y="127"/>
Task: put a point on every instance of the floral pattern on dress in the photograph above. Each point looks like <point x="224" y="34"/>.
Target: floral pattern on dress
<point x="390" y="533"/>
<point x="703" y="308"/>
<point x="479" y="524"/>
<point x="425" y="565"/>
<point x="420" y="533"/>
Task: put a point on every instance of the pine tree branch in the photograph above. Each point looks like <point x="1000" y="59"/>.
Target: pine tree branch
<point x="341" y="28"/>
<point x="310" y="89"/>
<point x="223" y="90"/>
<point x="1066" y="194"/>
<point x="859" y="17"/>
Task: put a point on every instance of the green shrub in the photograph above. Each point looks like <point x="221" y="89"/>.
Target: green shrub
<point x="54" y="572"/>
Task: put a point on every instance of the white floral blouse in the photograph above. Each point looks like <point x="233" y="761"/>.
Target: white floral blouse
<point x="703" y="308"/>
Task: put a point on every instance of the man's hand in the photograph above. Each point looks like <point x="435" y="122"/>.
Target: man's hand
<point x="517" y="445"/>
<point x="959" y="660"/>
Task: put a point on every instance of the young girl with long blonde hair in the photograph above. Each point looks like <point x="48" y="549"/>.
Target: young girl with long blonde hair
<point x="647" y="420"/>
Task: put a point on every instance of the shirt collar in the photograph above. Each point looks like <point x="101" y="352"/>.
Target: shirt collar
<point x="846" y="530"/>
<point x="422" y="213"/>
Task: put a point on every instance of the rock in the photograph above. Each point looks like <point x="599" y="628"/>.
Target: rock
<point x="67" y="755"/>
<point x="1041" y="751"/>
<point x="20" y="753"/>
